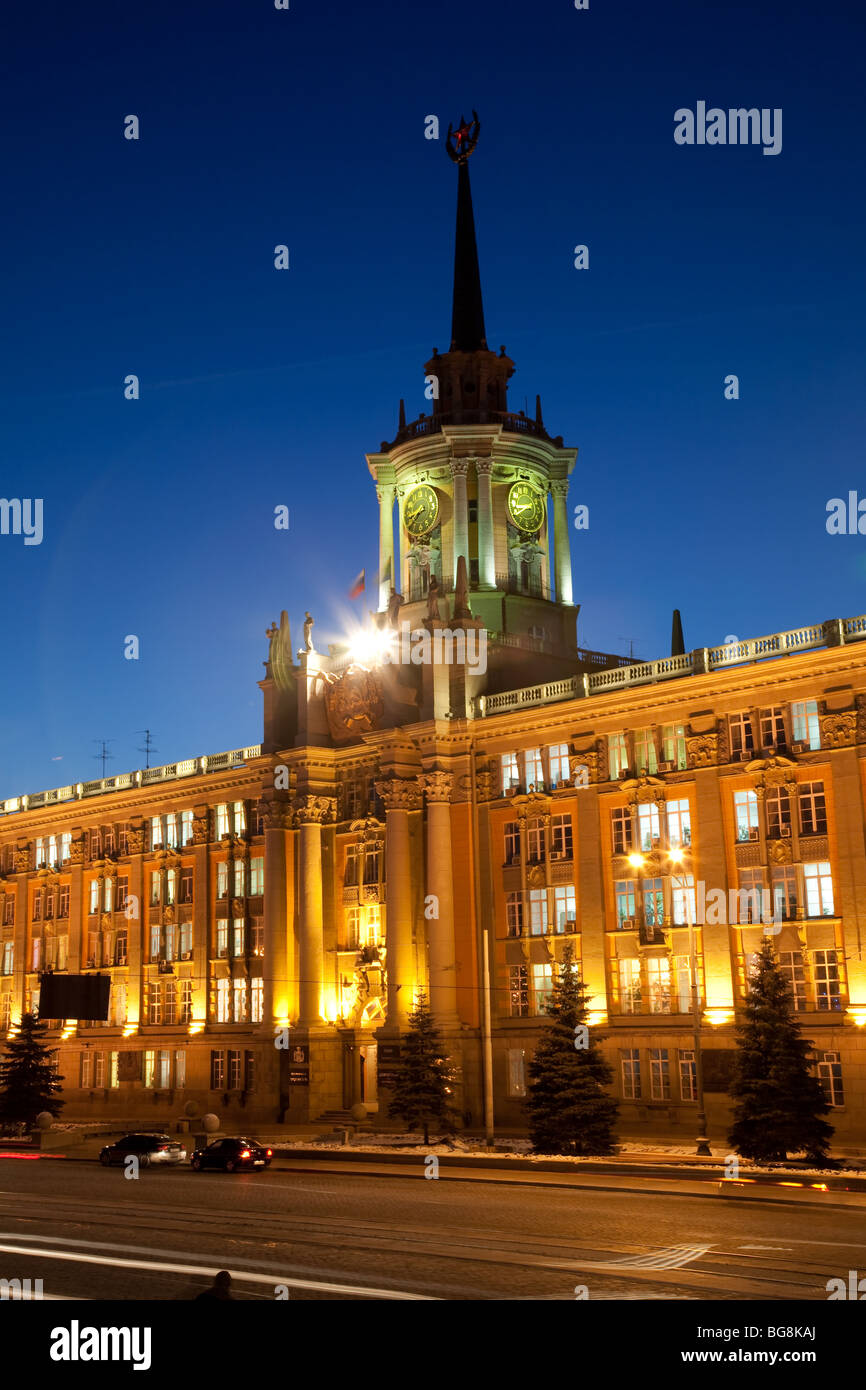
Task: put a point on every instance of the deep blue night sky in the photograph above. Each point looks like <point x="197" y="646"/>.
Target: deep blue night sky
<point x="262" y="387"/>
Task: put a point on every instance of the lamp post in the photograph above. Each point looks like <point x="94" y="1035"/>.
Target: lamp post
<point x="676" y="856"/>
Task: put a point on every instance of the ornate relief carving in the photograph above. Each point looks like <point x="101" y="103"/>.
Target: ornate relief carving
<point x="368" y="829"/>
<point x="643" y="789"/>
<point x="437" y="786"/>
<point x="535" y="876"/>
<point x="276" y="813"/>
<point x="76" y="851"/>
<point x="779" y="851"/>
<point x="535" y="804"/>
<point x="200" y="828"/>
<point x="400" y="793"/>
<point x="838" y="730"/>
<point x="703" y="750"/>
<point x="484" y="785"/>
<point x="315" y="810"/>
<point x="861" y="718"/>
<point x="354" y="703"/>
<point x="723" y="743"/>
<point x="590" y="759"/>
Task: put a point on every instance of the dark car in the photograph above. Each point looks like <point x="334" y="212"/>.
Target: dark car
<point x="232" y="1154"/>
<point x="147" y="1148"/>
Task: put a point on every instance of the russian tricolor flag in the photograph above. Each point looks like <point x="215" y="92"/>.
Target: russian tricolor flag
<point x="358" y="584"/>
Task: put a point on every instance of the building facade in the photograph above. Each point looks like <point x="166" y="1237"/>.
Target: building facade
<point x="444" y="803"/>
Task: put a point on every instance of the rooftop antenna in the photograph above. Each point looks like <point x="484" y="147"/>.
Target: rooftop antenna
<point x="103" y="755"/>
<point x="148" y="746"/>
<point x="630" y="641"/>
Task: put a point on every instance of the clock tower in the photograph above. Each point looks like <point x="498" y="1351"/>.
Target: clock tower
<point x="471" y="478"/>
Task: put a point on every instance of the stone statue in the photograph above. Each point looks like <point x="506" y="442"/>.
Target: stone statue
<point x="308" y="633"/>
<point x="395" y="603"/>
<point x="433" y="598"/>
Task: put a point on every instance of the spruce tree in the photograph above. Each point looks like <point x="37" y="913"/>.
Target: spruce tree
<point x="778" y="1102"/>
<point x="422" y="1082"/>
<point x="569" y="1110"/>
<point x="29" y="1082"/>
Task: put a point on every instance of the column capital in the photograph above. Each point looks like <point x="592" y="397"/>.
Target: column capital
<point x="559" y="487"/>
<point x="277" y="814"/>
<point x="400" y="793"/>
<point x="385" y="491"/>
<point x="315" y="810"/>
<point x="437" y="786"/>
<point x="484" y="466"/>
<point x="459" y="467"/>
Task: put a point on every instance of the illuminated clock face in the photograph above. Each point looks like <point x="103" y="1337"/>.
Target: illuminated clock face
<point x="526" y="507"/>
<point x="421" y="510"/>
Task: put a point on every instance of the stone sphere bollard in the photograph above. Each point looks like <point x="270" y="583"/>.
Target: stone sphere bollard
<point x="45" y="1119"/>
<point x="190" y="1108"/>
<point x="359" y="1112"/>
<point x="211" y="1123"/>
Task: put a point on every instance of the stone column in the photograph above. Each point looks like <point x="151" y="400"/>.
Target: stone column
<point x="385" y="494"/>
<point x="486" y="548"/>
<point x="561" y="546"/>
<point x="137" y="924"/>
<point x="279" y="1001"/>
<point x="401" y="795"/>
<point x="441" y="948"/>
<point x="461" y="514"/>
<point x="310" y="812"/>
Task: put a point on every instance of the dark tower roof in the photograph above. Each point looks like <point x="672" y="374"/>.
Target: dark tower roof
<point x="467" y="315"/>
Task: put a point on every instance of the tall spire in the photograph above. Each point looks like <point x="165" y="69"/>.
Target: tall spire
<point x="467" y="315"/>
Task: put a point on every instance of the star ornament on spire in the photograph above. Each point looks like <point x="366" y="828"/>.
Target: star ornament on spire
<point x="461" y="142"/>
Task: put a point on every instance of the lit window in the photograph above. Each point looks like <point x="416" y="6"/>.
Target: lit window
<point x="186" y="827"/>
<point x="94" y="895"/>
<point x="222" y="936"/>
<point x="217" y="1070"/>
<point x="221" y="821"/>
<point x="155" y="1002"/>
<point x="746" y="815"/>
<point x="186" y="1001"/>
<point x="240" y="818"/>
<point x="510" y="773"/>
<point x="257" y="877"/>
<point x="222" y="879"/>
<point x="630" y="986"/>
<point x="257" y="934"/>
<point x="557" y="757"/>
<point x="617" y="755"/>
<point x="645" y="751"/>
<point x="533" y="768"/>
<point x="564" y="907"/>
<point x="223" y="1001"/>
<point x="239" y="1001"/>
<point x="171" y="832"/>
<point x="683" y="904"/>
<point x="180" y="1069"/>
<point x="257" y="1000"/>
<point x="239" y="867"/>
<point x="752" y="900"/>
<point x="784" y="893"/>
<point x="648" y="827"/>
<point x="234" y="1060"/>
<point x="674" y="746"/>
<point x="512" y="842"/>
<point x="778" y="804"/>
<point x="238" y="934"/>
<point x="679" y="824"/>
<point x="625" y="902"/>
<point x="683" y="976"/>
<point x="171" y="887"/>
<point x="538" y="911"/>
<point x="819" y="889"/>
<point x="658" y="973"/>
<point x="806" y="727"/>
<point x="542" y="986"/>
<point x="653" y="902"/>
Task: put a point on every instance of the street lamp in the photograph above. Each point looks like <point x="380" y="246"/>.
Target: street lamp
<point x="677" y="856"/>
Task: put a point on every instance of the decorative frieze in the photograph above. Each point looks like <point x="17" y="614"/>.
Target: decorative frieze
<point x="838" y="730"/>
<point x="703" y="749"/>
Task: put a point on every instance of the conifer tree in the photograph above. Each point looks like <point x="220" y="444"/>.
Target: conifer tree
<point x="778" y="1102"/>
<point x="29" y="1082"/>
<point x="422" y="1082"/>
<point x="569" y="1110"/>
